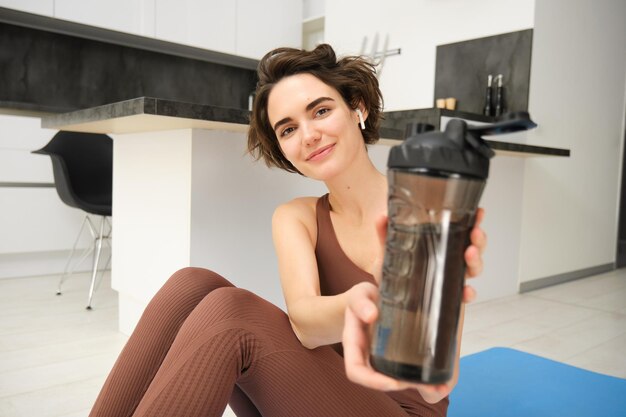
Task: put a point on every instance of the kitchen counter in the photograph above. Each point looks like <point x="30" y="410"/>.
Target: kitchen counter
<point x="146" y="114"/>
<point x="397" y="121"/>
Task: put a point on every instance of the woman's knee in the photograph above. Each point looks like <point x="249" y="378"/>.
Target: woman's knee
<point x="196" y="279"/>
<point x="185" y="289"/>
<point x="236" y="308"/>
<point x="238" y="303"/>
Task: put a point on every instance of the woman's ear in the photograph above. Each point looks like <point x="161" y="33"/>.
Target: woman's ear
<point x="361" y="113"/>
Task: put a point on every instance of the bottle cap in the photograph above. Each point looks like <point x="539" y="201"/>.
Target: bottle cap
<point x="459" y="149"/>
<point x="454" y="151"/>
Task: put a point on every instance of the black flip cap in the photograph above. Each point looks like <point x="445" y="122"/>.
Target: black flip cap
<point x="454" y="151"/>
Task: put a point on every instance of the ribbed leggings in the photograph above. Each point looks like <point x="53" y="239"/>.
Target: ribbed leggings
<point x="202" y="343"/>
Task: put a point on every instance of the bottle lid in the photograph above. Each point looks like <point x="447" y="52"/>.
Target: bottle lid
<point x="459" y="149"/>
<point x="453" y="151"/>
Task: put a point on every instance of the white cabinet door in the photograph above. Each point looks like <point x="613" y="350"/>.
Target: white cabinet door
<point x="44" y="7"/>
<point x="130" y="16"/>
<point x="268" y="24"/>
<point x="208" y="24"/>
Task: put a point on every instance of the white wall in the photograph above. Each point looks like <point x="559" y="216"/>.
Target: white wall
<point x="577" y="89"/>
<point x="418" y="26"/>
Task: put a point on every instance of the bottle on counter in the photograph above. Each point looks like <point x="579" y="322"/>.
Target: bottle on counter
<point x="487" y="109"/>
<point x="499" y="97"/>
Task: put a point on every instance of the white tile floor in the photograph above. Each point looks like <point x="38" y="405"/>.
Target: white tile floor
<point x="54" y="355"/>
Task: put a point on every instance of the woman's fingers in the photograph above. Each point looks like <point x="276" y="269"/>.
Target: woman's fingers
<point x="356" y="355"/>
<point x="360" y="313"/>
<point x="469" y="294"/>
<point x="474" y="255"/>
<point x="478" y="238"/>
<point x="473" y="262"/>
<point x="480" y="215"/>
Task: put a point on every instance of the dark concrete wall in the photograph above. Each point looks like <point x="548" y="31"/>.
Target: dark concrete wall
<point x="47" y="71"/>
<point x="462" y="69"/>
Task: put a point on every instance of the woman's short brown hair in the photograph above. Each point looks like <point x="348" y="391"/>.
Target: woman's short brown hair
<point x="353" y="77"/>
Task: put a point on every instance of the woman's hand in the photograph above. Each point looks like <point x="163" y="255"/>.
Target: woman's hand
<point x="362" y="311"/>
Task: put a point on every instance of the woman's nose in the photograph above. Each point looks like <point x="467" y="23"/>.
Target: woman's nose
<point x="310" y="134"/>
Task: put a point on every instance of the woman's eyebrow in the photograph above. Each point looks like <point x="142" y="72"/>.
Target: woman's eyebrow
<point x="309" y="107"/>
<point x="316" y="102"/>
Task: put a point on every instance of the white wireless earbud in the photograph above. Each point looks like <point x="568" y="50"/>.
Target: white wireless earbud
<point x="361" y="122"/>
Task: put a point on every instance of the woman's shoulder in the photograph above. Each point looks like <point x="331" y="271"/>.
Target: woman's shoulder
<point x="301" y="210"/>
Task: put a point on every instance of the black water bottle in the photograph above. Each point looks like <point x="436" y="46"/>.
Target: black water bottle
<point x="435" y="180"/>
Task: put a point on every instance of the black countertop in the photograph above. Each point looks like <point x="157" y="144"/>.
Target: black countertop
<point x="432" y="116"/>
<point x="152" y="114"/>
<point x="396" y="121"/>
<point x="147" y="106"/>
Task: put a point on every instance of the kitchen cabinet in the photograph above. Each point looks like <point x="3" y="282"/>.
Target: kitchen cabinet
<point x="265" y="25"/>
<point x="246" y="28"/>
<point x="208" y="24"/>
<point x="241" y="27"/>
<point x="130" y="16"/>
<point x="43" y="7"/>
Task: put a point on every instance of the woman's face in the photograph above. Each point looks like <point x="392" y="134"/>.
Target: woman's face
<point x="316" y="130"/>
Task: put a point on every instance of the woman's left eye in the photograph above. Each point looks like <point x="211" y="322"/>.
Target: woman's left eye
<point x="322" y="111"/>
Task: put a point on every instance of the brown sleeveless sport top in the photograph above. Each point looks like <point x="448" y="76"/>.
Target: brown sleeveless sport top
<point x="336" y="271"/>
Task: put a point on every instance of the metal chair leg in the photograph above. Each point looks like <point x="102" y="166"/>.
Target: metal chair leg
<point x="98" y="251"/>
<point x="69" y="259"/>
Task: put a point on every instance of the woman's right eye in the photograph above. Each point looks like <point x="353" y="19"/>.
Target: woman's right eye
<point x="286" y="132"/>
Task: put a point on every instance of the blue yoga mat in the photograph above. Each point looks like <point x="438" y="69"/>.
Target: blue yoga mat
<point x="502" y="382"/>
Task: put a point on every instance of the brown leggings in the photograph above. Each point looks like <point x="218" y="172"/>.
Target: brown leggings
<point x="202" y="343"/>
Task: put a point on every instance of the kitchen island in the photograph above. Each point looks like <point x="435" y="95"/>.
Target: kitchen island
<point x="185" y="193"/>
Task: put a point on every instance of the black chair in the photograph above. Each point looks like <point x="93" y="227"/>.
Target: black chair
<point x="82" y="164"/>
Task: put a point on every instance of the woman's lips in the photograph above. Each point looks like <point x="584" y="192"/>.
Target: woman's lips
<point x="320" y="153"/>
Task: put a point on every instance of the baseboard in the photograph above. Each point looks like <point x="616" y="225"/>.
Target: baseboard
<point x="565" y="277"/>
<point x="30" y="264"/>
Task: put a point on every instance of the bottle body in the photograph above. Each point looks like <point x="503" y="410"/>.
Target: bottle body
<point x="499" y="98"/>
<point x="430" y="219"/>
<point x="487" y="108"/>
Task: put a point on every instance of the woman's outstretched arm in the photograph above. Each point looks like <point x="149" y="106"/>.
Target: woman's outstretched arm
<point x="316" y="320"/>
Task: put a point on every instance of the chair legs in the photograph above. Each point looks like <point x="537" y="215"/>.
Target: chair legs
<point x="101" y="235"/>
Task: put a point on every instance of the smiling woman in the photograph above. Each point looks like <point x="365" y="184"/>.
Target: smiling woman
<point x="202" y="343"/>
